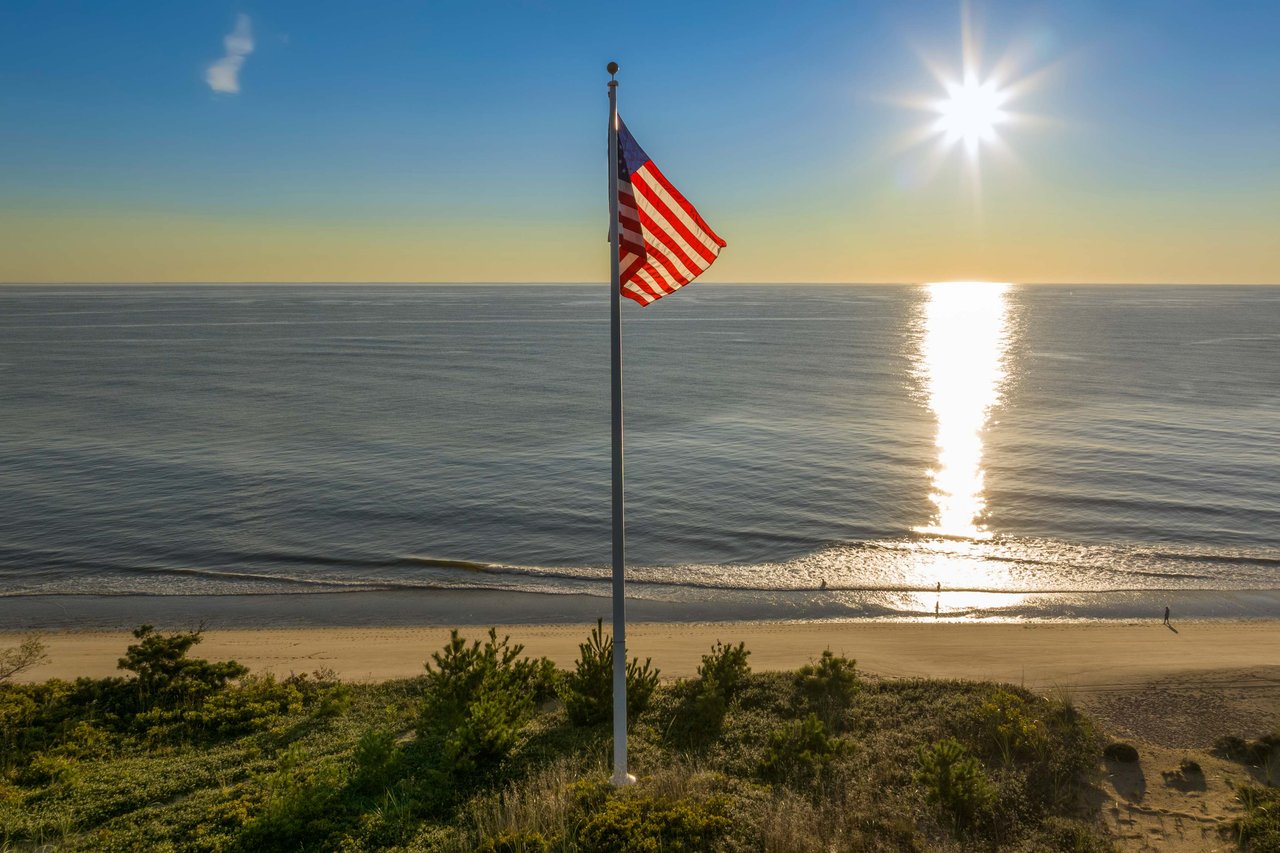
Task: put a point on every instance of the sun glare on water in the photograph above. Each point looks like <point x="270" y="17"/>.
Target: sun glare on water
<point x="963" y="334"/>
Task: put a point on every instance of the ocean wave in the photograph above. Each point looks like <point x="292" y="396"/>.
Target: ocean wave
<point x="910" y="565"/>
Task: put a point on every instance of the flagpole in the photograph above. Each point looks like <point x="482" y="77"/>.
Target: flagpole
<point x="620" y="774"/>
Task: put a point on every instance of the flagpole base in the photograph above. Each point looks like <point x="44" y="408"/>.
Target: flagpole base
<point x="622" y="780"/>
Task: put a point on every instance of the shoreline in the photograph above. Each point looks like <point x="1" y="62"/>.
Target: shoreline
<point x="482" y="607"/>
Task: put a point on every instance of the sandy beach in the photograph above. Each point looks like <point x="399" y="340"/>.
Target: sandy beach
<point x="1211" y="678"/>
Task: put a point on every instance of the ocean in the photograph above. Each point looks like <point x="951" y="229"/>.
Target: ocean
<point x="955" y="451"/>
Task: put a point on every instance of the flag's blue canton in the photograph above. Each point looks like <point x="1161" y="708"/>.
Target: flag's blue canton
<point x="630" y="155"/>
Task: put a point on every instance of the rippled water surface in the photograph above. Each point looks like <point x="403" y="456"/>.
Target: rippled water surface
<point x="965" y="448"/>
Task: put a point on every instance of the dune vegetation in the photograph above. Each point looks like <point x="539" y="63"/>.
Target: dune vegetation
<point x="492" y="750"/>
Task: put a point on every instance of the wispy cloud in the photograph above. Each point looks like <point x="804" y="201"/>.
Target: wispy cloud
<point x="224" y="74"/>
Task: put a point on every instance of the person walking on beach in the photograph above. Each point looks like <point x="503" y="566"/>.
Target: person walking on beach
<point x="1166" y="615"/>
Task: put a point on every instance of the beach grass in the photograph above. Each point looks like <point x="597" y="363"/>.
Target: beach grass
<point x="479" y="753"/>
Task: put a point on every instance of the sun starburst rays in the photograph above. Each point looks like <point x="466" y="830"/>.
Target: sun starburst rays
<point x="974" y="109"/>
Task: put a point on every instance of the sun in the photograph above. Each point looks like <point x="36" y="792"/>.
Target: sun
<point x="974" y="108"/>
<point x="971" y="112"/>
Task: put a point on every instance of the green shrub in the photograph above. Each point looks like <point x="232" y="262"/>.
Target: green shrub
<point x="256" y="703"/>
<point x="1259" y="828"/>
<point x="720" y="675"/>
<point x="1064" y="750"/>
<point x="18" y="709"/>
<point x="1231" y="746"/>
<point x="588" y="690"/>
<point x="488" y="730"/>
<point x="478" y="698"/>
<point x="954" y="781"/>
<point x="166" y="677"/>
<point x="1263" y="753"/>
<point x="1011" y="726"/>
<point x="828" y="687"/>
<point x="375" y="760"/>
<point x="299" y="806"/>
<point x="646" y="823"/>
<point x="460" y="670"/>
<point x="516" y="842"/>
<point x="84" y="740"/>
<point x="47" y="769"/>
<point x="1064" y="835"/>
<point x="321" y="692"/>
<point x="800" y="750"/>
<point x="590" y="794"/>
<point x="726" y="666"/>
<point x="704" y="714"/>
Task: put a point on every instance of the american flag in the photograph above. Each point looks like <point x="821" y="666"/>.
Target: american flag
<point x="663" y="244"/>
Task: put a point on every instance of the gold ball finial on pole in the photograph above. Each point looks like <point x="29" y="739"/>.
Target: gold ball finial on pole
<point x="612" y="68"/>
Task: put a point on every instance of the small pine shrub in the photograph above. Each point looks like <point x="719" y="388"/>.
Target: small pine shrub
<point x="642" y="680"/>
<point x="588" y="690"/>
<point x="640" y="823"/>
<point x="954" y="781"/>
<point x="478" y="698"/>
<point x="720" y="675"/>
<point x="488" y="729"/>
<point x="800" y="750"/>
<point x="709" y="703"/>
<point x="166" y="677"/>
<point x="726" y="666"/>
<point x="828" y="687"/>
<point x="375" y="759"/>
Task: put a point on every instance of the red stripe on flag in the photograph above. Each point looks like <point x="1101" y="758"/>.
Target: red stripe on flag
<point x="653" y="229"/>
<point x="684" y="203"/>
<point x="674" y="222"/>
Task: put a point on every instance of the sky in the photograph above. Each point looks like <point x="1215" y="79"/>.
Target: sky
<point x="1137" y="141"/>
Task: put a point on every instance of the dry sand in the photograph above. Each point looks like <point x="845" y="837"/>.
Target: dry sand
<point x="1182" y="687"/>
<point x="1086" y="657"/>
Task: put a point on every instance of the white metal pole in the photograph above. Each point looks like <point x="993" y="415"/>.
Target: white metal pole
<point x="620" y="774"/>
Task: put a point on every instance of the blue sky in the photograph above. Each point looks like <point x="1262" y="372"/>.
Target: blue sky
<point x="464" y="141"/>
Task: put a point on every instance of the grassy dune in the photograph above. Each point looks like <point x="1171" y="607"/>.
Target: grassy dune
<point x="492" y="750"/>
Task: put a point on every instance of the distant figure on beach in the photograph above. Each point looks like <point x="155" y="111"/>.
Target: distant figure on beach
<point x="1166" y="615"/>
<point x="824" y="584"/>
<point x="939" y="586"/>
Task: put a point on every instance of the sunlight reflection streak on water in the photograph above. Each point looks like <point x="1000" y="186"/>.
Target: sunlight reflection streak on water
<point x="964" y="337"/>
